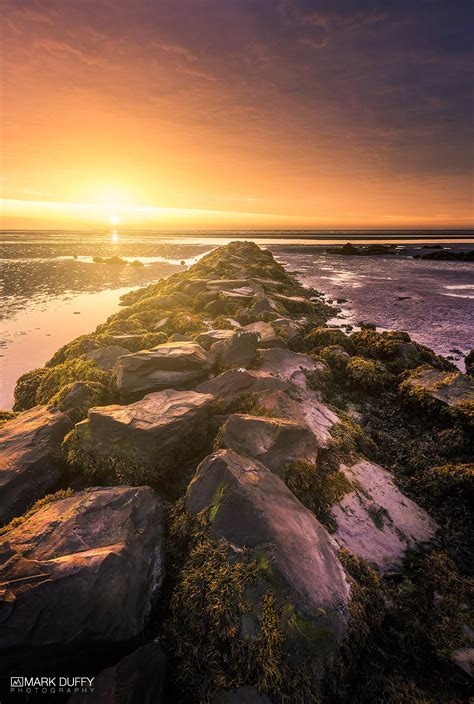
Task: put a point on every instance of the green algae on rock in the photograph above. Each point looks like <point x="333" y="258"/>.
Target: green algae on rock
<point x="142" y="442"/>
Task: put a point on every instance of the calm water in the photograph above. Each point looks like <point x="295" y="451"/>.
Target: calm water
<point x="52" y="290"/>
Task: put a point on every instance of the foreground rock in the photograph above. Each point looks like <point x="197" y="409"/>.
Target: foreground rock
<point x="143" y="440"/>
<point x="82" y="569"/>
<point x="171" y="365"/>
<point x="275" y="442"/>
<point x="251" y="508"/>
<point x="30" y="458"/>
<point x="137" y="679"/>
<point x="376" y="521"/>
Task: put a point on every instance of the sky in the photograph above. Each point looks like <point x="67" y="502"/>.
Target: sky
<point x="237" y="113"/>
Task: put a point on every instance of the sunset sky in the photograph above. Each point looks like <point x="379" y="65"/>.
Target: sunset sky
<point x="237" y="113"/>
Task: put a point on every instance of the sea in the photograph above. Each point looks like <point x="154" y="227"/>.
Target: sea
<point x="52" y="290"/>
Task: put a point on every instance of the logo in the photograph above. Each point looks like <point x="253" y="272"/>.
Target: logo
<point x="51" y="685"/>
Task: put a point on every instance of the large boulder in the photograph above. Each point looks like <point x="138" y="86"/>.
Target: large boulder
<point x="376" y="521"/>
<point x="138" y="678"/>
<point x="268" y="338"/>
<point x="276" y="442"/>
<point x="82" y="569"/>
<point x="304" y="408"/>
<point x="238" y="350"/>
<point x="143" y="440"/>
<point x="170" y="365"/>
<point x="251" y="509"/>
<point x="106" y="357"/>
<point x="30" y="458"/>
<point x="235" y="383"/>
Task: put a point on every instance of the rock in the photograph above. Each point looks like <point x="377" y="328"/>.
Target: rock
<point x="232" y="284"/>
<point x="206" y="339"/>
<point x="137" y="679"/>
<point x="452" y="389"/>
<point x="239" y="350"/>
<point x="464" y="659"/>
<point x="241" y="695"/>
<point x="305" y="409"/>
<point x="294" y="304"/>
<point x="82" y="569"/>
<point x="276" y="442"/>
<point x="263" y="304"/>
<point x="161" y="323"/>
<point x="288" y="365"/>
<point x="250" y="507"/>
<point x="178" y="337"/>
<point x="106" y="357"/>
<point x="30" y="458"/>
<point x="348" y="249"/>
<point x="267" y="335"/>
<point x="171" y="365"/>
<point x="75" y="399"/>
<point x="287" y="327"/>
<point x="136" y="262"/>
<point x="376" y="521"/>
<point x="144" y="438"/>
<point x="234" y="383"/>
<point x="469" y="362"/>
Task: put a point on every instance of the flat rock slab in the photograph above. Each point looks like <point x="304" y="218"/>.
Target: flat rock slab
<point x="376" y="521"/>
<point x="171" y="365"/>
<point x="234" y="383"/>
<point x="106" y="357"/>
<point x="156" y="431"/>
<point x="268" y="338"/>
<point x="138" y="678"/>
<point x="82" y="569"/>
<point x="450" y="388"/>
<point x="30" y="458"/>
<point x="250" y="507"/>
<point x="276" y="442"/>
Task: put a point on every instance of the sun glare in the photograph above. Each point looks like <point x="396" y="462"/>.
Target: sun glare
<point x="114" y="220"/>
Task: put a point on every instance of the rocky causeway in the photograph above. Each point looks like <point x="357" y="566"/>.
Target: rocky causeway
<point x="236" y="502"/>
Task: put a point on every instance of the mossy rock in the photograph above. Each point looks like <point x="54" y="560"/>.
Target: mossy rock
<point x="26" y="388"/>
<point x="66" y="373"/>
<point x="396" y="350"/>
<point x="76" y="398"/>
<point x="319" y="338"/>
<point x="366" y="374"/>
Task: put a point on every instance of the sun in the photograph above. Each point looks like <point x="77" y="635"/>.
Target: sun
<point x="114" y="220"/>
